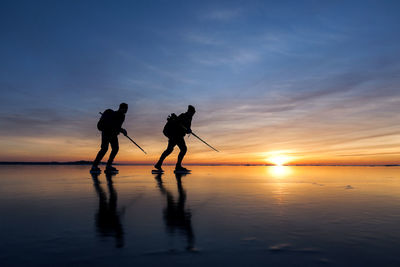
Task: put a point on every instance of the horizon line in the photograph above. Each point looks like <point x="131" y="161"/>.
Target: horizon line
<point x="84" y="162"/>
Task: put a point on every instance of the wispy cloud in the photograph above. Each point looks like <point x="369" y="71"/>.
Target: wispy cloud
<point x="203" y="39"/>
<point x="236" y="58"/>
<point x="221" y="14"/>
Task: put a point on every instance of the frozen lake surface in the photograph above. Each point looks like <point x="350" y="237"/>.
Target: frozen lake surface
<point x="237" y="216"/>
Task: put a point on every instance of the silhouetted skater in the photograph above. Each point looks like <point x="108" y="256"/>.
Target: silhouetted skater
<point x="175" y="129"/>
<point x="110" y="125"/>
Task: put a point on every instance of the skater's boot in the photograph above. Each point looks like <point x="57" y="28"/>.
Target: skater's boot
<point x="95" y="169"/>
<point x="110" y="168"/>
<point x="179" y="168"/>
<point x="158" y="167"/>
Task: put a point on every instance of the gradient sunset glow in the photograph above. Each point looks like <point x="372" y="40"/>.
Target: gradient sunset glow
<point x="317" y="82"/>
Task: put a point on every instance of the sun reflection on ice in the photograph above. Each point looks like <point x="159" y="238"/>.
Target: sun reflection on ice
<point x="279" y="171"/>
<point x="279" y="184"/>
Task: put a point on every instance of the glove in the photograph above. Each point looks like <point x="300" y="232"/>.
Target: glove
<point x="124" y="132"/>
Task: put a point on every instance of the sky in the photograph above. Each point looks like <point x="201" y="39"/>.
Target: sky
<point x="315" y="82"/>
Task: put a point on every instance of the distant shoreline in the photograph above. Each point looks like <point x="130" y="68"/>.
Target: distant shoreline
<point x="83" y="162"/>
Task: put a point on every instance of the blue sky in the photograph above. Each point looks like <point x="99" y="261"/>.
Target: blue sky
<point x="317" y="80"/>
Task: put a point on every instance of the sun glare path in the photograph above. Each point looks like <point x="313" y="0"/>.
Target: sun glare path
<point x="279" y="171"/>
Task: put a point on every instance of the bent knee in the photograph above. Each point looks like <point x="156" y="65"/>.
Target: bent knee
<point x="169" y="150"/>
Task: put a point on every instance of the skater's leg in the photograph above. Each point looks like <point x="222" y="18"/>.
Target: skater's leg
<point x="103" y="150"/>
<point x="170" y="148"/>
<point x="114" y="149"/>
<point x="182" y="146"/>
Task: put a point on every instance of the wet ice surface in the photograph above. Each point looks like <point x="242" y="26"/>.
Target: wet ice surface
<point x="240" y="216"/>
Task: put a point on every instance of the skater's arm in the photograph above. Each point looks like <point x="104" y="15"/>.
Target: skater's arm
<point x="185" y="122"/>
<point x="188" y="125"/>
<point x="120" y="121"/>
<point x="123" y="131"/>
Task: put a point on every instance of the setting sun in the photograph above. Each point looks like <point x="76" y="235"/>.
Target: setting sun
<point x="279" y="160"/>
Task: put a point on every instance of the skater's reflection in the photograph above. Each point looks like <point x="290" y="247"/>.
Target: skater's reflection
<point x="107" y="220"/>
<point x="176" y="217"/>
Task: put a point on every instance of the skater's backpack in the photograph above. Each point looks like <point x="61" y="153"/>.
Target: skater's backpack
<point x="171" y="125"/>
<point x="106" y="120"/>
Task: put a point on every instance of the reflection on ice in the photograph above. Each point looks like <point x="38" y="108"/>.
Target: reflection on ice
<point x="177" y="217"/>
<point x="238" y="216"/>
<point x="279" y="171"/>
<point x="108" y="217"/>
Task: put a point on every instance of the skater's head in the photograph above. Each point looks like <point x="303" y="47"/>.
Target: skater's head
<point x="123" y="107"/>
<point x="191" y="110"/>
